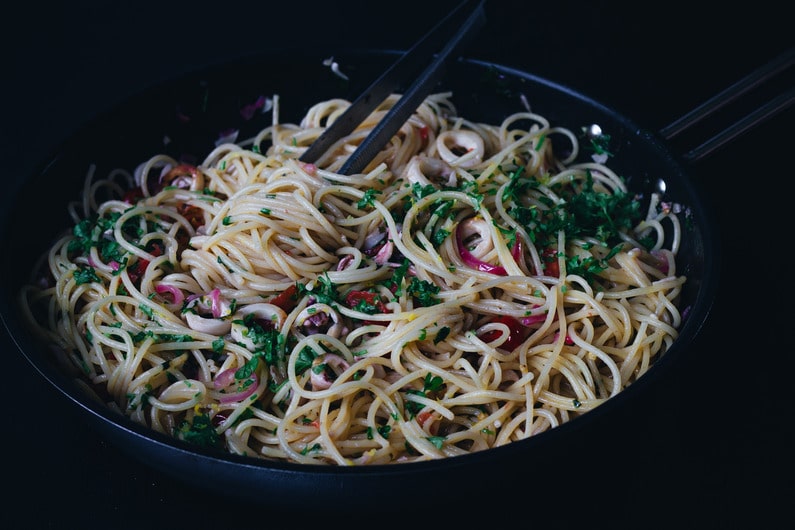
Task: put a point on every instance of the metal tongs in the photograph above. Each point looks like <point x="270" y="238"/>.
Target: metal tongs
<point x="462" y="22"/>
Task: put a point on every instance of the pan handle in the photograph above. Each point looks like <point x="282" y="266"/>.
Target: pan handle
<point x="777" y="67"/>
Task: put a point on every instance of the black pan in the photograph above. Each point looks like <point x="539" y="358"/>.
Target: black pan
<point x="483" y="91"/>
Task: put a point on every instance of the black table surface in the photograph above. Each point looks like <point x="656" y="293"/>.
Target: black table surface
<point x="719" y="450"/>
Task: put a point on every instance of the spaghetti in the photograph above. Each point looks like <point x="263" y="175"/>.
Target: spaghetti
<point x="471" y="288"/>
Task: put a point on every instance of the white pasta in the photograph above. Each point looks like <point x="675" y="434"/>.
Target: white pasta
<point x="469" y="289"/>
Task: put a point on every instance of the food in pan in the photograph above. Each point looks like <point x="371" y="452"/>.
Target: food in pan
<point x="474" y="286"/>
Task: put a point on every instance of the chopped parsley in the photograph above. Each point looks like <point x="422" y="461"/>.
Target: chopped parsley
<point x="85" y="275"/>
<point x="368" y="199"/>
<point x="199" y="432"/>
<point x="424" y="292"/>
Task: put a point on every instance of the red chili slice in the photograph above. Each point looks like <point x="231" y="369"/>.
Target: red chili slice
<point x="287" y="299"/>
<point x="137" y="269"/>
<point x="133" y="195"/>
<point x="353" y="298"/>
<point x="549" y="261"/>
<point x="424" y="133"/>
<point x="516" y="336"/>
<point x="193" y="214"/>
<point x="185" y="176"/>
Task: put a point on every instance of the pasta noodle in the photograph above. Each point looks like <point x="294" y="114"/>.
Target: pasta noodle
<point x="472" y="287"/>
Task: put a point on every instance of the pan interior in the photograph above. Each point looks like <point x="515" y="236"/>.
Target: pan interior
<point x="186" y="115"/>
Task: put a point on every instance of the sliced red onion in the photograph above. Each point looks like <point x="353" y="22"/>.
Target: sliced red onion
<point x="176" y="293"/>
<point x="479" y="228"/>
<point x="344" y="262"/>
<point x="249" y="110"/>
<point x="227" y="378"/>
<point x="190" y="298"/>
<point x="315" y="317"/>
<point x="372" y="239"/>
<point x="321" y="381"/>
<point x="567" y="340"/>
<point x="532" y="319"/>
<point x="311" y="169"/>
<point x="662" y="262"/>
<point x="385" y="253"/>
<point x="475" y="263"/>
<point x="224" y="378"/>
<point x="215" y="298"/>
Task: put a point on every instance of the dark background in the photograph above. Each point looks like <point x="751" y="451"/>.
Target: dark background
<point x="714" y="446"/>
